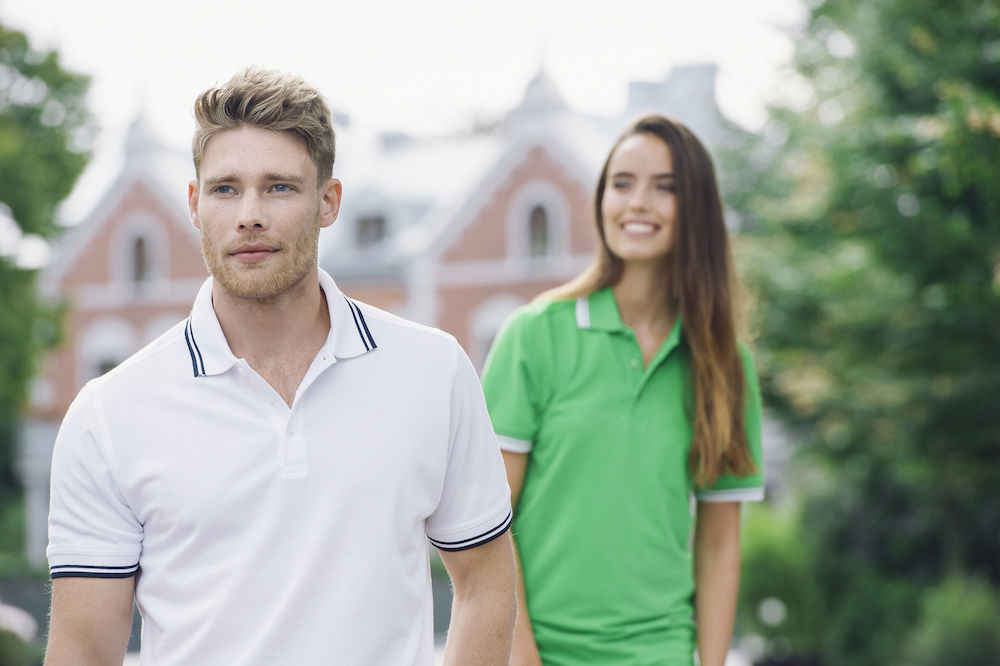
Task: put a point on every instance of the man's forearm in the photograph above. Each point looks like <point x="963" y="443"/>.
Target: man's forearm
<point x="482" y="627"/>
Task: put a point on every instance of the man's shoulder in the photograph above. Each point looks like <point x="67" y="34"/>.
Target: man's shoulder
<point x="392" y="327"/>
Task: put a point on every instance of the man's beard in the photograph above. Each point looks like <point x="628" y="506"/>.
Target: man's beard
<point x="266" y="281"/>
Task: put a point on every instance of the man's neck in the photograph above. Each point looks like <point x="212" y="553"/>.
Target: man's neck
<point x="277" y="338"/>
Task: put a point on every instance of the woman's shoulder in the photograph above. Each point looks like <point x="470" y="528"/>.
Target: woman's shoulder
<point x="543" y="314"/>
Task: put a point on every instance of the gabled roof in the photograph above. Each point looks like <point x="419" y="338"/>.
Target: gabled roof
<point x="408" y="183"/>
<point x="164" y="171"/>
<point x="429" y="189"/>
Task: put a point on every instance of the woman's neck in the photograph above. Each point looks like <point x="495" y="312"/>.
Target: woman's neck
<point x="642" y="295"/>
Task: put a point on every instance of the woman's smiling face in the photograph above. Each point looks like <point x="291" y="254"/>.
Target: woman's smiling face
<point x="639" y="206"/>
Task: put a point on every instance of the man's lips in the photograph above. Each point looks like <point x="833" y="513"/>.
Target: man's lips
<point x="250" y="254"/>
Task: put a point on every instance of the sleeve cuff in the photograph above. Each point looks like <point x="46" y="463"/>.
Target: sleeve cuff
<point x="90" y="571"/>
<point x="478" y="540"/>
<point x="732" y="495"/>
<point x="514" y="445"/>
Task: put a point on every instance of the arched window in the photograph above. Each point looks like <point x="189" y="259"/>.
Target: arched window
<point x="140" y="261"/>
<point x="140" y="251"/>
<point x="538" y="232"/>
<point x="538" y="225"/>
<point x="103" y="345"/>
<point x="106" y="365"/>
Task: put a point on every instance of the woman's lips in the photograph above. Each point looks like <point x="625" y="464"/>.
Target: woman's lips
<point x="639" y="227"/>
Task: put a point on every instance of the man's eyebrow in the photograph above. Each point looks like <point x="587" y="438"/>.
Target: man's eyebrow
<point x="284" y="178"/>
<point x="216" y="180"/>
<point x="269" y="177"/>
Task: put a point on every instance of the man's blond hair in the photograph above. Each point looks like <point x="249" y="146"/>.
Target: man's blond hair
<point x="269" y="100"/>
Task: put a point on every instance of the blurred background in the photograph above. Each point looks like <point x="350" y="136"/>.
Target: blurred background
<point x="857" y="144"/>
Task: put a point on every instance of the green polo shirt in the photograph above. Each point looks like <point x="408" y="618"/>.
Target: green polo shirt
<point x="604" y="521"/>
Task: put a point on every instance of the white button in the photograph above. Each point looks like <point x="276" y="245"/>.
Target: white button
<point x="635" y="363"/>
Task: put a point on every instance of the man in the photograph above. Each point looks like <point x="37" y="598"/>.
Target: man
<point x="262" y="479"/>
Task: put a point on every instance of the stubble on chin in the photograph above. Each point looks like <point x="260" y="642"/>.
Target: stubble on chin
<point x="267" y="281"/>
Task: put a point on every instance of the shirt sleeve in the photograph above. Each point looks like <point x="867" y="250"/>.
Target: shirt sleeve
<point x="512" y="381"/>
<point x="475" y="502"/>
<point x="750" y="488"/>
<point x="92" y="531"/>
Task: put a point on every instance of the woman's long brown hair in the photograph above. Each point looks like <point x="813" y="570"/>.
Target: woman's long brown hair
<point x="703" y="286"/>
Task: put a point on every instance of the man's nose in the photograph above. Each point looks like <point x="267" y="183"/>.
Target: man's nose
<point x="250" y="214"/>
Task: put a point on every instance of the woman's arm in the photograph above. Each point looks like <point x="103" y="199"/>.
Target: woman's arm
<point x="525" y="651"/>
<point x="717" y="578"/>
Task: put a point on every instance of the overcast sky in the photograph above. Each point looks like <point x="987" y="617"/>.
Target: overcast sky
<point x="420" y="66"/>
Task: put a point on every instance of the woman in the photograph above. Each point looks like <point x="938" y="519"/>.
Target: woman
<point x="617" y="396"/>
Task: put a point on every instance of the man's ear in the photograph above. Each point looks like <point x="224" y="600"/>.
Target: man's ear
<point x="193" y="204"/>
<point x="329" y="207"/>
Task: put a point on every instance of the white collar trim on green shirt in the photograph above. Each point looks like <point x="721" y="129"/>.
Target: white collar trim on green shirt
<point x="582" y="312"/>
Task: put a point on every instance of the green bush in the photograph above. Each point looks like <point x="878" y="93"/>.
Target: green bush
<point x="13" y="561"/>
<point x="960" y="625"/>
<point x="779" y="600"/>
<point x="869" y="619"/>
<point x="13" y="651"/>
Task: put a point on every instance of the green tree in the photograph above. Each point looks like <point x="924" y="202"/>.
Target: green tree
<point x="873" y="244"/>
<point x="45" y="132"/>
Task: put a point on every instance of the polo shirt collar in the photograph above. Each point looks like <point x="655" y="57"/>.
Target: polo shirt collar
<point x="599" y="312"/>
<point x="349" y="333"/>
<point x="210" y="354"/>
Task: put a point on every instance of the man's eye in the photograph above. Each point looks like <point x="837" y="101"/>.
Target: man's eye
<point x="224" y="189"/>
<point x="282" y="188"/>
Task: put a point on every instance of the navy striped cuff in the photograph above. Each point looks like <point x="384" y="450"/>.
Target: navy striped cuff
<point x="88" y="571"/>
<point x="479" y="540"/>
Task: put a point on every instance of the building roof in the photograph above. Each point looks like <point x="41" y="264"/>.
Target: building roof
<point x="424" y="187"/>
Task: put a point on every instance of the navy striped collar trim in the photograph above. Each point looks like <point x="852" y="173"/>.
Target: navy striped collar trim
<point x="359" y="322"/>
<point x="197" y="362"/>
<point x="341" y="342"/>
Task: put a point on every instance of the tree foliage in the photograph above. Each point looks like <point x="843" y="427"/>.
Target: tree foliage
<point x="873" y="246"/>
<point x="44" y="136"/>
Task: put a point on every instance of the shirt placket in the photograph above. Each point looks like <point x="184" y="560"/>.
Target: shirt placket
<point x="294" y="453"/>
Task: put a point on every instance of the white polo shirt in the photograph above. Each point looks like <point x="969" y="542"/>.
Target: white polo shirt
<point x="263" y="534"/>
